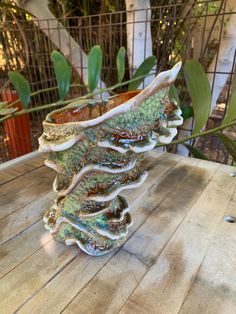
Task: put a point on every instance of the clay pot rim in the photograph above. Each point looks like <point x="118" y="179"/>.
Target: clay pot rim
<point x="87" y="102"/>
<point x="163" y="79"/>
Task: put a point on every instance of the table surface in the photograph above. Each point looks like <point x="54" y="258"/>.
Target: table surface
<point x="180" y="256"/>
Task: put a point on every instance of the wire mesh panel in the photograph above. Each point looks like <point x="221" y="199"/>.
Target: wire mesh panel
<point x="180" y="31"/>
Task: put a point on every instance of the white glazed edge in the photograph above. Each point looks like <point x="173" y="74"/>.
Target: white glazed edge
<point x="76" y="178"/>
<point x="166" y="77"/>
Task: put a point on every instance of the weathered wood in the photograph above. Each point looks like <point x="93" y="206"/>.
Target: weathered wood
<point x="213" y="290"/>
<point x="25" y="189"/>
<point x="179" y="258"/>
<point x="65" y="285"/>
<point x="170" y="161"/>
<point x="17" y="250"/>
<point x="150" y="239"/>
<point x="109" y="289"/>
<point x="24" y="217"/>
<point x="139" y="212"/>
<point x="141" y="246"/>
<point x="33" y="274"/>
<point x="19" y="166"/>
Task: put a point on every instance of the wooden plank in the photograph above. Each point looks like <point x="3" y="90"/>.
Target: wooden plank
<point x="20" y="220"/>
<point x="19" y="166"/>
<point x="31" y="275"/>
<point x="139" y="216"/>
<point x="25" y="189"/>
<point x="164" y="165"/>
<point x="24" y="217"/>
<point x="150" y="239"/>
<point x="76" y="278"/>
<point x="62" y="287"/>
<point x="110" y="287"/>
<point x="27" y="215"/>
<point x="123" y="268"/>
<point x="156" y="194"/>
<point x="114" y="301"/>
<point x="213" y="290"/>
<point x="18" y="160"/>
<point x="60" y="281"/>
<point x="166" y="284"/>
<point x="14" y="252"/>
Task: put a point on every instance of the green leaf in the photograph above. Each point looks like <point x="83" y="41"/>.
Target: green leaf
<point x="197" y="153"/>
<point x="62" y="72"/>
<point x="7" y="111"/>
<point x="3" y="104"/>
<point x="173" y="93"/>
<point x="230" y="114"/>
<point x="200" y="92"/>
<point x="120" y="64"/>
<point x="21" y="86"/>
<point x="229" y="144"/>
<point x="80" y="102"/>
<point x="142" y="70"/>
<point x="94" y="67"/>
<point x="187" y="112"/>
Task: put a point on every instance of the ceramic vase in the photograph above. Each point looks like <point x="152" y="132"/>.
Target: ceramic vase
<point x="96" y="148"/>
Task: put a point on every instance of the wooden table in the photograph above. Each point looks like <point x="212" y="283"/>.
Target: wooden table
<point x="180" y="256"/>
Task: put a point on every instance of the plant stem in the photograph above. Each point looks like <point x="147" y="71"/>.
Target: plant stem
<point x="203" y="133"/>
<point x="63" y="102"/>
<point x="39" y="92"/>
<point x="24" y="111"/>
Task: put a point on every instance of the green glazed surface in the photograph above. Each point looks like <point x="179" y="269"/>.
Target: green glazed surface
<point x="97" y="158"/>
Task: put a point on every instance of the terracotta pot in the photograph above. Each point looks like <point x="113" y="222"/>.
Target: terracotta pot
<point x="17" y="129"/>
<point x="96" y="148"/>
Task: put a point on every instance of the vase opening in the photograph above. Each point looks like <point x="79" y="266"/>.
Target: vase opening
<point x="91" y="111"/>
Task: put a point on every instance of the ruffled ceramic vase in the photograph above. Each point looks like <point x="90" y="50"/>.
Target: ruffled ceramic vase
<point x="96" y="148"/>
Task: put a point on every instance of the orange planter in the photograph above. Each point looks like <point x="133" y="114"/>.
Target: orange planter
<point x="17" y="129"/>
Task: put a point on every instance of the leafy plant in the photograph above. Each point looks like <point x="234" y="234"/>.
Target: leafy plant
<point x="63" y="76"/>
<point x="94" y="67"/>
<point x="229" y="144"/>
<point x="3" y="104"/>
<point x="194" y="75"/>
<point x="21" y="86"/>
<point x="62" y="72"/>
<point x="187" y="112"/>
<point x="6" y="111"/>
<point x="173" y="93"/>
<point x="197" y="153"/>
<point x="120" y="64"/>
<point x="230" y="114"/>
<point x="200" y="92"/>
<point x="142" y="70"/>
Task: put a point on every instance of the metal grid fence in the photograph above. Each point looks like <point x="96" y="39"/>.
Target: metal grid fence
<point x="179" y="31"/>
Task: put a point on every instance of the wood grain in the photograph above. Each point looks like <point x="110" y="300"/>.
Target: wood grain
<point x="25" y="189"/>
<point x="16" y="251"/>
<point x="25" y="280"/>
<point x="56" y="283"/>
<point x="213" y="290"/>
<point x="179" y="257"/>
<point x="142" y="250"/>
<point x="20" y="168"/>
<point x="110" y="287"/>
<point x="25" y="216"/>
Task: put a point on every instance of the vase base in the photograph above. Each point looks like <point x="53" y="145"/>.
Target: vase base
<point x="95" y="234"/>
<point x="92" y="245"/>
